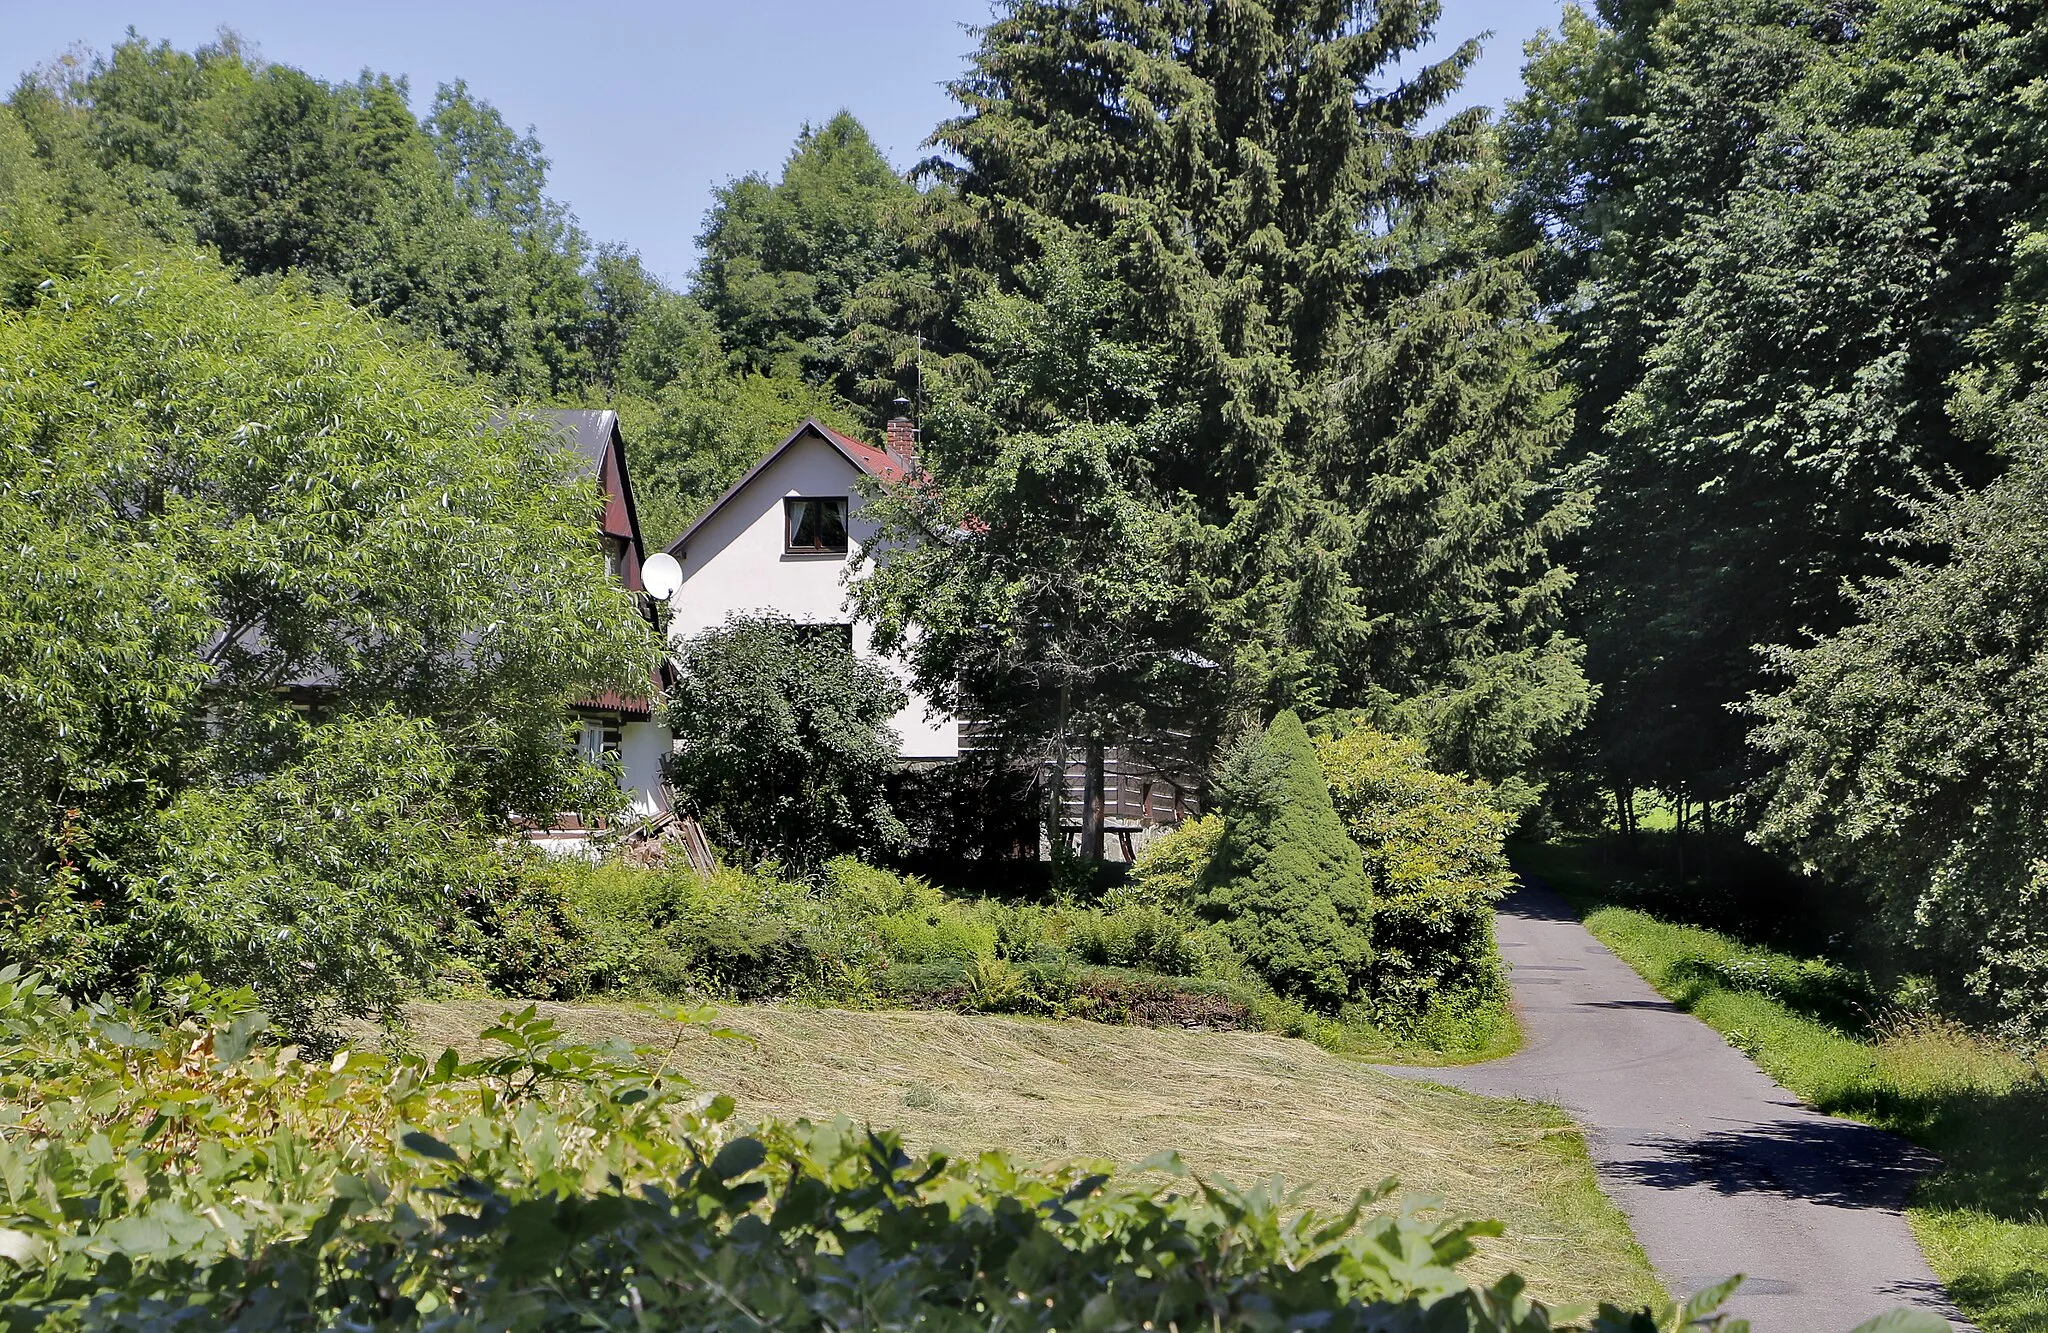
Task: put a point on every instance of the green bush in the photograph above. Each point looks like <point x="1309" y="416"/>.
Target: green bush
<point x="1287" y="885"/>
<point x="521" y="935"/>
<point x="869" y="890"/>
<point x="1434" y="847"/>
<point x="1135" y="936"/>
<point x="1169" y="871"/>
<point x="931" y="934"/>
<point x="739" y="934"/>
<point x="864" y="935"/>
<point x="323" y="884"/>
<point x="210" y="489"/>
<point x="547" y="1185"/>
<point x="783" y="745"/>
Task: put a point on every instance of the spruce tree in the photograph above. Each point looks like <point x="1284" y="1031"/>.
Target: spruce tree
<point x="1264" y="186"/>
<point x="1036" y="591"/>
<point x="1287" y="884"/>
<point x="1441" y="457"/>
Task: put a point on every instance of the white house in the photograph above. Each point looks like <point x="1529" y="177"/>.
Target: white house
<point x="618" y="724"/>
<point x="785" y="538"/>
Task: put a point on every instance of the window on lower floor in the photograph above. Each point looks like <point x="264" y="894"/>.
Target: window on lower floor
<point x="595" y="740"/>
<point x="816" y="525"/>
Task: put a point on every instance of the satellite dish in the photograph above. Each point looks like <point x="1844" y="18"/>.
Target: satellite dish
<point x="661" y="576"/>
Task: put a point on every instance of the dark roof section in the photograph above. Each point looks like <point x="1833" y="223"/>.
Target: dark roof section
<point x="588" y="429"/>
<point x="875" y="462"/>
<point x="593" y="433"/>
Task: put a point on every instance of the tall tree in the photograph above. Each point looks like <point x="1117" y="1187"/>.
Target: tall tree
<point x="502" y="179"/>
<point x="640" y="334"/>
<point x="1034" y="591"/>
<point x="1774" y="226"/>
<point x="784" y="260"/>
<point x="444" y="226"/>
<point x="217" y="497"/>
<point x="1264" y="188"/>
<point x="1912" y="746"/>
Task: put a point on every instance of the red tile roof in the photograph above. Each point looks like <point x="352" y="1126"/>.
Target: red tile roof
<point x="875" y="462"/>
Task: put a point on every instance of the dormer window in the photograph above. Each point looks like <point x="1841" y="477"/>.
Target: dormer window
<point x="815" y="525"/>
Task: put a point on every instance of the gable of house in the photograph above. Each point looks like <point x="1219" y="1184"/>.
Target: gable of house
<point x="594" y="435"/>
<point x="738" y="558"/>
<point x="804" y="456"/>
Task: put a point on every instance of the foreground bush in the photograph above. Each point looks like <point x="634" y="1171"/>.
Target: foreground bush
<point x="164" y="1167"/>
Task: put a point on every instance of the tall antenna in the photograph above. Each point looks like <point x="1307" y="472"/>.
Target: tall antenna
<point x="920" y="376"/>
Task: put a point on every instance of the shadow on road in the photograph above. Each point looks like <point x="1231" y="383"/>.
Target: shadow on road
<point x="1830" y="1162"/>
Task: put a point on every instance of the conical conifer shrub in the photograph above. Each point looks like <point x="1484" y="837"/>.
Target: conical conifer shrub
<point x="1288" y="885"/>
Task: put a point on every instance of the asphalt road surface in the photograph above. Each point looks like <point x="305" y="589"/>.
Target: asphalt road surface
<point x="1719" y="1169"/>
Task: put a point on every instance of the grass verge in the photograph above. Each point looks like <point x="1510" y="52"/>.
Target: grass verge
<point x="1818" y="1029"/>
<point x="1240" y="1105"/>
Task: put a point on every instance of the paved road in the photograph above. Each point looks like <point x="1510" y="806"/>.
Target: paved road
<point x="1719" y="1169"/>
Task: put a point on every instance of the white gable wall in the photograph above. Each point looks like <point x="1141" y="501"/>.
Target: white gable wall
<point x="735" y="563"/>
<point x="643" y="748"/>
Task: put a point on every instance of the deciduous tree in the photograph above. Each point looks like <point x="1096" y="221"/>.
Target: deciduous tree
<point x="1776" y="231"/>
<point x="1912" y="745"/>
<point x="221" y="501"/>
<point x="785" y="259"/>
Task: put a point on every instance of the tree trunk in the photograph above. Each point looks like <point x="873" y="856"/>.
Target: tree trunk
<point x="1092" y="803"/>
<point x="1056" y="790"/>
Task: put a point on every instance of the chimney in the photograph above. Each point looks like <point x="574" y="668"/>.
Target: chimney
<point x="901" y="440"/>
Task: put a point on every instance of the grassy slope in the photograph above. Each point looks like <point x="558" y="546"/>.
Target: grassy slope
<point x="1982" y="1218"/>
<point x="1242" y="1106"/>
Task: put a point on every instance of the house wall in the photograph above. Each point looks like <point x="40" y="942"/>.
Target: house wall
<point x="642" y="748"/>
<point x="735" y="563"/>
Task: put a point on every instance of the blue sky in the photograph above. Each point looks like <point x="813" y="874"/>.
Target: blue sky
<point x="644" y="106"/>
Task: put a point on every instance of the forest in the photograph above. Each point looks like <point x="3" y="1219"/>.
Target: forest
<point x="1658" y="463"/>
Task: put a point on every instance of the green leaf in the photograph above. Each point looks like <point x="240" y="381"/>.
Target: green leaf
<point x="738" y="1157"/>
<point x="1707" y="1300"/>
<point x="1904" y="1320"/>
<point x="426" y="1145"/>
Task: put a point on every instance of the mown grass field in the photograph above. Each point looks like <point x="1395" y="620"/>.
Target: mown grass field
<point x="1241" y="1106"/>
<point x="1982" y="1218"/>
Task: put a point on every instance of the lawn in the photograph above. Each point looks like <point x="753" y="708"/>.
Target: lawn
<point x="1240" y="1105"/>
<point x="1815" y="1026"/>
